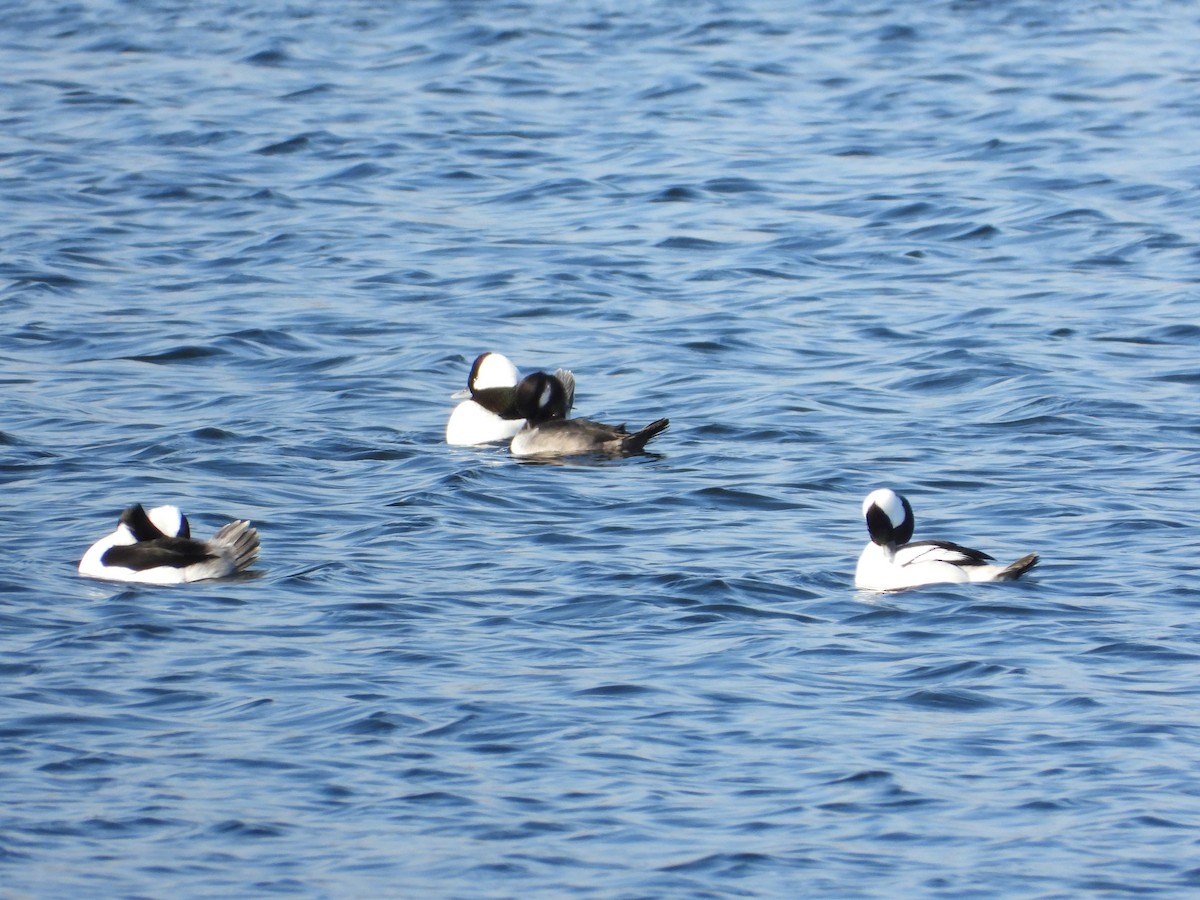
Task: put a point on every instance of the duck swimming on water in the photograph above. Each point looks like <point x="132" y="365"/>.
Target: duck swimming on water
<point x="890" y="562"/>
<point x="156" y="547"/>
<point x="542" y="400"/>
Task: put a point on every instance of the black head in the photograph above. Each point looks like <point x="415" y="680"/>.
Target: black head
<point x="160" y="522"/>
<point x="135" y="519"/>
<point x="474" y="376"/>
<point x="540" y="398"/>
<point x="889" y="518"/>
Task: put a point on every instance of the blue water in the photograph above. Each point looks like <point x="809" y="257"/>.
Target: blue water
<point x="250" y="249"/>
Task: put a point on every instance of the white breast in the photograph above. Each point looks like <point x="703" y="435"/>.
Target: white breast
<point x="470" y="424"/>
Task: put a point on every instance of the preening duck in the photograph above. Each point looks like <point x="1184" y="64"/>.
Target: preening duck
<point x="543" y="401"/>
<point x="156" y="547"/>
<point x="892" y="561"/>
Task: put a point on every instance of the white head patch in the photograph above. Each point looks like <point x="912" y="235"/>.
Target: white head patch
<point x="496" y="370"/>
<point x="167" y="519"/>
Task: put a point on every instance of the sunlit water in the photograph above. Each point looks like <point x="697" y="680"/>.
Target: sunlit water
<point x="249" y="251"/>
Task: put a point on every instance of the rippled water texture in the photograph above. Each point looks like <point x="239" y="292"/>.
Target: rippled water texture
<point x="249" y="251"/>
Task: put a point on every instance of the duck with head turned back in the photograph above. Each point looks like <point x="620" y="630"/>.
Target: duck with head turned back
<point x="156" y="547"/>
<point x="542" y="400"/>
<point x="892" y="561"/>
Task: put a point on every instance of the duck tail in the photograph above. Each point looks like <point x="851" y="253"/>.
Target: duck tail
<point x="636" y="441"/>
<point x="240" y="542"/>
<point x="1015" y="570"/>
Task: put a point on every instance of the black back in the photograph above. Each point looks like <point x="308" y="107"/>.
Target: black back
<point x="174" y="552"/>
<point x="969" y="557"/>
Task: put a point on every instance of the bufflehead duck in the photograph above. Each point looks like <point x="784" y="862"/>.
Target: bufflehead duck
<point x="542" y="400"/>
<point x="488" y="411"/>
<point x="156" y="547"/>
<point x="890" y="563"/>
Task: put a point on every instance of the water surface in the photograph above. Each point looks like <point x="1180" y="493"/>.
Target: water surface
<point x="248" y="253"/>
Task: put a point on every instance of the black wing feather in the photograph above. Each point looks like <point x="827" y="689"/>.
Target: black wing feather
<point x="969" y="557"/>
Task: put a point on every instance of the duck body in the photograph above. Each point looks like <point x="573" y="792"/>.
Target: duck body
<point x="157" y="548"/>
<point x="892" y="562"/>
<point x="573" y="437"/>
<point x="486" y="412"/>
<point x="475" y="422"/>
<point x="543" y="400"/>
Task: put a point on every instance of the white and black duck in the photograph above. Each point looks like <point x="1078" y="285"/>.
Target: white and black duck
<point x="893" y="561"/>
<point x="156" y="547"/>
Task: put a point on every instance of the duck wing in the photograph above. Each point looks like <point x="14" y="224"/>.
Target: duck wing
<point x="176" y="553"/>
<point x="940" y="551"/>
